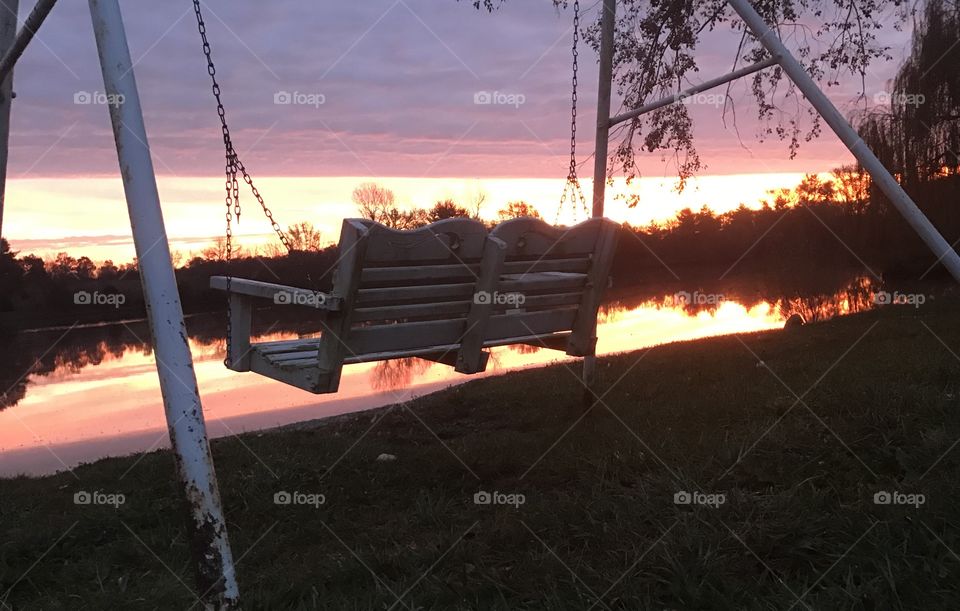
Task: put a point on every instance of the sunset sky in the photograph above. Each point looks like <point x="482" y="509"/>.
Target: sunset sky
<point x="384" y="90"/>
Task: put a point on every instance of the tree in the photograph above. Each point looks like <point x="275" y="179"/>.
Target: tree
<point x="108" y="272"/>
<point x="304" y="236"/>
<point x="446" y="209"/>
<point x="783" y="198"/>
<point x="851" y="187"/>
<point x="475" y="200"/>
<point x="33" y="268"/>
<point x="814" y="190"/>
<point x="63" y="266"/>
<point x="411" y="219"/>
<point x="375" y="202"/>
<point x="218" y="251"/>
<point x="86" y="269"/>
<point x="656" y="56"/>
<point x="11" y="275"/>
<point x="916" y="131"/>
<point x="517" y="209"/>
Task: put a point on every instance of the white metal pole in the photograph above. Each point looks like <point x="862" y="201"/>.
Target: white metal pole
<point x="216" y="577"/>
<point x="604" y="85"/>
<point x="887" y="183"/>
<point x="12" y="53"/>
<point x="690" y="91"/>
<point x="8" y="32"/>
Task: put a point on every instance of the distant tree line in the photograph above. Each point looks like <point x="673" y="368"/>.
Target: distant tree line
<point x="824" y="221"/>
<point x="833" y="221"/>
<point x="64" y="289"/>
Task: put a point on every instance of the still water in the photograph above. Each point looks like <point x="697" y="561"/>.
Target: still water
<point x="78" y="394"/>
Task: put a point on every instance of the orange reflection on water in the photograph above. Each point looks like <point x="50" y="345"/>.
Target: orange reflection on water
<point x="87" y="412"/>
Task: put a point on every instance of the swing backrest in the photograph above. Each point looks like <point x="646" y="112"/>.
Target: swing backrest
<point x="422" y="292"/>
<point x="402" y="292"/>
<point x="560" y="273"/>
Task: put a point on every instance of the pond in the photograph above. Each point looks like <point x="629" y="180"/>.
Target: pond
<point x="80" y="393"/>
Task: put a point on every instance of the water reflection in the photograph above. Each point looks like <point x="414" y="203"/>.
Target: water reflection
<point x="99" y="382"/>
<point x="397" y="373"/>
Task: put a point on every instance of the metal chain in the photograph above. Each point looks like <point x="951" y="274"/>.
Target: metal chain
<point x="572" y="188"/>
<point x="232" y="167"/>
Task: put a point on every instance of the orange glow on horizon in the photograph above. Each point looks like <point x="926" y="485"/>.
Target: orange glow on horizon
<point x="88" y="216"/>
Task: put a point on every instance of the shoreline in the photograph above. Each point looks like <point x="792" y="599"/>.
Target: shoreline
<point x="716" y="418"/>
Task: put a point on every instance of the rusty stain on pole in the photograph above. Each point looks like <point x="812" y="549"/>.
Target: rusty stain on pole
<point x="216" y="578"/>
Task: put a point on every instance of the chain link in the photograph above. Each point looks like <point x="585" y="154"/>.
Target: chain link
<point x="572" y="188"/>
<point x="232" y="167"/>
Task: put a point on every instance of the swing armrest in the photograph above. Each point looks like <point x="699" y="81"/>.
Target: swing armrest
<point x="278" y="293"/>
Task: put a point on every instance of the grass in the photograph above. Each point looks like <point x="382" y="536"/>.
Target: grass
<point x="599" y="527"/>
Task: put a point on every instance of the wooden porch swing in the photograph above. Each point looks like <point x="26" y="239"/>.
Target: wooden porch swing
<point x="444" y="292"/>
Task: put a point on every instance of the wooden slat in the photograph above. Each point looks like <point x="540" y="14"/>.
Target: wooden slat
<point x="288" y="358"/>
<point x="287" y="345"/>
<point x="423" y="274"/>
<point x="268" y="290"/>
<point x="578" y="265"/>
<point x="434" y="274"/>
<point x="517" y="283"/>
<point x="541" y="282"/>
<point x="420" y="294"/>
<point x="530" y="323"/>
<point x="459" y="308"/>
<point x="309" y="378"/>
<point x="543" y="301"/>
<point x="416" y="310"/>
<point x="414" y="335"/>
<point x="450" y="240"/>
<point x="436" y="353"/>
<point x="533" y="238"/>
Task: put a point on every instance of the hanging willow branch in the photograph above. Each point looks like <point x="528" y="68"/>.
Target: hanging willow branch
<point x="916" y="130"/>
<point x="656" y="55"/>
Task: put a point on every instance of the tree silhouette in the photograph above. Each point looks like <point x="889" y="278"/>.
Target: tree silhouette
<point x="916" y="134"/>
<point x="304" y="236"/>
<point x="657" y="44"/>
<point x="375" y="202"/>
<point x="517" y="209"/>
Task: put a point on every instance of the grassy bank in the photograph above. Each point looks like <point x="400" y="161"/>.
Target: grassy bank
<point x="599" y="526"/>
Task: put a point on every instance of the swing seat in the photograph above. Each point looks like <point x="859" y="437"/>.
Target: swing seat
<point x="445" y="292"/>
